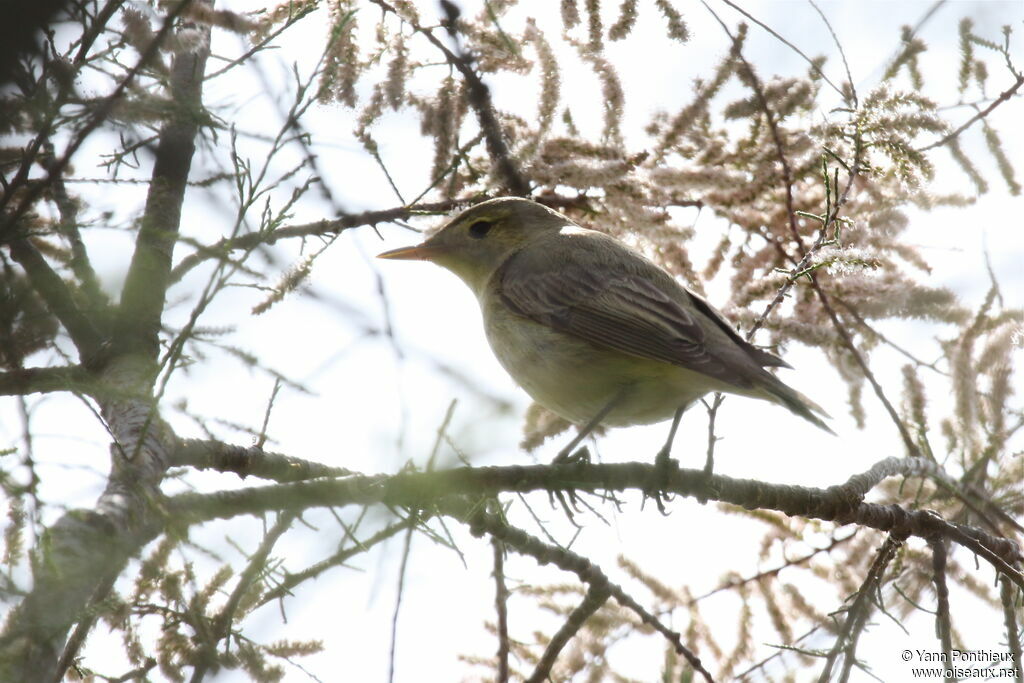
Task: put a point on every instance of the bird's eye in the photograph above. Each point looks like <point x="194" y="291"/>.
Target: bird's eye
<point x="480" y="229"/>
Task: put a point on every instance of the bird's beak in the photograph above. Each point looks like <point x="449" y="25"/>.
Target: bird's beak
<point x="420" y="252"/>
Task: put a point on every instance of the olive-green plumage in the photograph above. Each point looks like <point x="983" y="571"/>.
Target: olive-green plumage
<point x="579" y="318"/>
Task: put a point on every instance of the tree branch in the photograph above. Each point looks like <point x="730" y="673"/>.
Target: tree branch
<point x="324" y="227"/>
<point x="1003" y="97"/>
<point x="293" y="579"/>
<point x="54" y="291"/>
<point x="943" y="623"/>
<point x="481" y="522"/>
<point x="501" y="606"/>
<point x="423" y="490"/>
<point x="142" y="297"/>
<point x="335" y="225"/>
<point x="25" y="381"/>
<point x="223" y="457"/>
<point x="857" y="614"/>
<point x="748" y="74"/>
<point x="851" y="348"/>
<point x="479" y="96"/>
<point x="596" y="597"/>
<point x="82" y="550"/>
<point x="1011" y="615"/>
<point x="220" y="627"/>
<point x="99" y="115"/>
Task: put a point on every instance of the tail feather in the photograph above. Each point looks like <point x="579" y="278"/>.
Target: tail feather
<point x="785" y="395"/>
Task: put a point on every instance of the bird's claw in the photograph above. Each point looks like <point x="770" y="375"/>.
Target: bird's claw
<point x="657" y="488"/>
<point x="567" y="499"/>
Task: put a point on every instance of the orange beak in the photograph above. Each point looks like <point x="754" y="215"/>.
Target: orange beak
<point x="420" y="252"/>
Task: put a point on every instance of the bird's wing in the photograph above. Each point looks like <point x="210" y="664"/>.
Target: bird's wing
<point x="617" y="307"/>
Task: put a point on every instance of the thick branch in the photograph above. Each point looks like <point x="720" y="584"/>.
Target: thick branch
<point x="423" y="490"/>
<point x="142" y="299"/>
<point x="83" y="547"/>
<point x="81" y="552"/>
<point x="223" y="457"/>
<point x="27" y="381"/>
<point x="54" y="291"/>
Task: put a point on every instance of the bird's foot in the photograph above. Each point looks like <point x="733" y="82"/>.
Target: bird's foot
<point x="657" y="487"/>
<point x="567" y="499"/>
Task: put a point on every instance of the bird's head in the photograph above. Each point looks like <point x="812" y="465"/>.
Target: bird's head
<point x="474" y="243"/>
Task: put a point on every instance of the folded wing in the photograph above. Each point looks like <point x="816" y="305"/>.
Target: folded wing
<point x="615" y="306"/>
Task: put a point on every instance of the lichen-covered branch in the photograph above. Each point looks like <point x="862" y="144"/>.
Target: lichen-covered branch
<point x="421" y="490"/>
<point x="142" y="297"/>
<point x="248" y="461"/>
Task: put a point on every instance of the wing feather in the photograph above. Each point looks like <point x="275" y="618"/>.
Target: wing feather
<point x="615" y="307"/>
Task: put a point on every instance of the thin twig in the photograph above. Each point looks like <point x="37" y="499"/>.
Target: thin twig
<point x="857" y="614"/>
<point x="482" y="522"/>
<point x="731" y="584"/>
<point x="83" y="627"/>
<point x="479" y="96"/>
<point x="842" y="54"/>
<point x="943" y="624"/>
<point x="851" y="348"/>
<point x="293" y="579"/>
<point x="1011" y="613"/>
<point x="501" y="607"/>
<point x="220" y="626"/>
<point x="1003" y="97"/>
<point x="788" y="44"/>
<point x="100" y="114"/>
<point x="317" y="228"/>
<point x="392" y="651"/>
<point x="755" y="85"/>
<point x="592" y="601"/>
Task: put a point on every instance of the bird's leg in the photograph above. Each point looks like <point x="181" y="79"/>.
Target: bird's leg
<point x="664" y="455"/>
<point x="663" y="464"/>
<point x="566" y="454"/>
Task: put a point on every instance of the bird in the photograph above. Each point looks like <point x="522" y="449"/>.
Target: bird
<point x="592" y="329"/>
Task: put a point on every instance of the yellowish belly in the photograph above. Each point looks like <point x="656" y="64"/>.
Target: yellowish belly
<point x="576" y="379"/>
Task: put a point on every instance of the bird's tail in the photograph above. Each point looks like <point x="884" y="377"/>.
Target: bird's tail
<point x="779" y="392"/>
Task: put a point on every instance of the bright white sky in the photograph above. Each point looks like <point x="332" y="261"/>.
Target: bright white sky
<point x="373" y="412"/>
